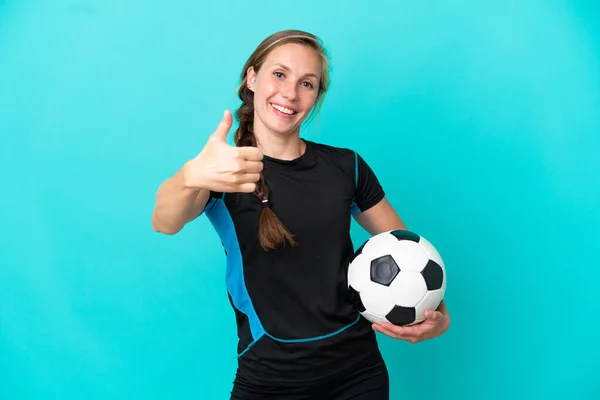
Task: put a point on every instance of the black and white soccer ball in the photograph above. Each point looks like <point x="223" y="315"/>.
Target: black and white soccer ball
<point x="395" y="276"/>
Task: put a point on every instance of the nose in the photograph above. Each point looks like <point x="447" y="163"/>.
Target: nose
<point x="289" y="92"/>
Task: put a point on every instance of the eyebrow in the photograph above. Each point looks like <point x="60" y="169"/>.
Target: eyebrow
<point x="285" y="67"/>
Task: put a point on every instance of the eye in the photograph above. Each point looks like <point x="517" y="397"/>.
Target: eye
<point x="278" y="74"/>
<point x="308" y="84"/>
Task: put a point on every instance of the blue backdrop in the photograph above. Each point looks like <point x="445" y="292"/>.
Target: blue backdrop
<point x="480" y="118"/>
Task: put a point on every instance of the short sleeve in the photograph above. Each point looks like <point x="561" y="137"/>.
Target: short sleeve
<point x="368" y="190"/>
<point x="212" y="199"/>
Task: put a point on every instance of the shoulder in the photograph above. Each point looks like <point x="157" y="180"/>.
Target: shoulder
<point x="343" y="156"/>
<point x="345" y="159"/>
<point x="334" y="151"/>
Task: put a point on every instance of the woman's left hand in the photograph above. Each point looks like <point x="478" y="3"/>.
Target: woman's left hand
<point x="434" y="325"/>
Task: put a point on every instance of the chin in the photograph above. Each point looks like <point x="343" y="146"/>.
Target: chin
<point x="288" y="131"/>
<point x="285" y="128"/>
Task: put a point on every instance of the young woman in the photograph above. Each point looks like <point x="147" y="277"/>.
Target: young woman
<point x="282" y="208"/>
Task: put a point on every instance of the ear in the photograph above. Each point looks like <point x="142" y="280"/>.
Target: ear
<point x="251" y="78"/>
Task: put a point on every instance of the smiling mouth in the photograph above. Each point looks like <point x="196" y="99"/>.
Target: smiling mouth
<point x="282" y="109"/>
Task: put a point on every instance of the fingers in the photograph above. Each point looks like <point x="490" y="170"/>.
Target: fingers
<point x="404" y="331"/>
<point x="432" y="315"/>
<point x="220" y="134"/>
<point x="244" y="182"/>
<point x="412" y="334"/>
<point x="252" y="167"/>
<point x="250" y="177"/>
<point x="433" y="325"/>
<point x="250" y="153"/>
<point x="248" y="187"/>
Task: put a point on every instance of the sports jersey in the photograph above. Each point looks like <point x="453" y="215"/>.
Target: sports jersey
<point x="295" y="320"/>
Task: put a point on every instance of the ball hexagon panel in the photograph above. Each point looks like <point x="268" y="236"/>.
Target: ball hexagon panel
<point x="376" y="298"/>
<point x="377" y="246"/>
<point x="430" y="301"/>
<point x="374" y="317"/>
<point x="359" y="272"/>
<point x="408" y="289"/>
<point x="409" y="256"/>
<point x="432" y="253"/>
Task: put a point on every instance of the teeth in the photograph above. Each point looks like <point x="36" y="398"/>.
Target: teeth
<point x="283" y="109"/>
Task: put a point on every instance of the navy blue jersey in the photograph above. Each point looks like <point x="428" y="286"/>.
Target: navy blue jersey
<point x="294" y="317"/>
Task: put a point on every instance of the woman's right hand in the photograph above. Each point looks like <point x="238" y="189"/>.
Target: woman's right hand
<point x="223" y="168"/>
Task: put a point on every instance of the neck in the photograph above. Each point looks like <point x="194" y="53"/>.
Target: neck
<point x="283" y="147"/>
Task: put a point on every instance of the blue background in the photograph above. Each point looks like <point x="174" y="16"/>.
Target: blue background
<point x="482" y="120"/>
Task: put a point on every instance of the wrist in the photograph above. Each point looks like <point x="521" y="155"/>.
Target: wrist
<point x="190" y="179"/>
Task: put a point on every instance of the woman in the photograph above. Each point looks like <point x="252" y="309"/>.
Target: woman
<point x="282" y="208"/>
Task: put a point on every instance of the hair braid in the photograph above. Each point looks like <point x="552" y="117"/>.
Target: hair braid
<point x="272" y="233"/>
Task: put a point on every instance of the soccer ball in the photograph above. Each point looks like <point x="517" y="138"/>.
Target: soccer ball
<point x="395" y="276"/>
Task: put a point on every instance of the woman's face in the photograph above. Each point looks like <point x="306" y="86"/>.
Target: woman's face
<point x="285" y="89"/>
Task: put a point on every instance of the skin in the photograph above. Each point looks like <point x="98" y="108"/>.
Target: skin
<point x="289" y="77"/>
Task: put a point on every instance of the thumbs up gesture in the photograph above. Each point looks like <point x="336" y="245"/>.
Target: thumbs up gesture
<point x="223" y="168"/>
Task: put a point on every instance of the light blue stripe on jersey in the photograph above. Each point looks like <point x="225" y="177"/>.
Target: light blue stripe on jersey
<point x="220" y="218"/>
<point x="354" y="207"/>
<point x="311" y="339"/>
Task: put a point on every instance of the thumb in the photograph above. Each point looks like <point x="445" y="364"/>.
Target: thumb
<point x="220" y="134"/>
<point x="431" y="315"/>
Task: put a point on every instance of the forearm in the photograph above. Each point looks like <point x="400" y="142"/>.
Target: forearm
<point x="177" y="204"/>
<point x="380" y="218"/>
